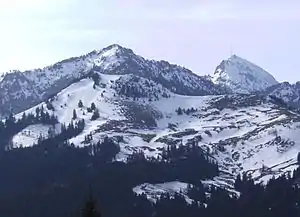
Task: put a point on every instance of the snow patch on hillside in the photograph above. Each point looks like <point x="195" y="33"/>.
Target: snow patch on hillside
<point x="155" y="191"/>
<point x="30" y="135"/>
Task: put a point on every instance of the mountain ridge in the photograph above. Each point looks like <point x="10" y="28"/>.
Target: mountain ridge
<point x="113" y="59"/>
<point x="21" y="90"/>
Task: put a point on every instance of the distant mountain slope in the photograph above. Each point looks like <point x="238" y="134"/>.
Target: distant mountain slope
<point x="242" y="76"/>
<point x="21" y="90"/>
<point x="289" y="93"/>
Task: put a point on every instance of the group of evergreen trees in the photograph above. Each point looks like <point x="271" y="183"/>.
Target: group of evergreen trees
<point x="187" y="111"/>
<point x="280" y="197"/>
<point x="73" y="129"/>
<point x="184" y="157"/>
<point x="12" y="126"/>
<point x="92" y="109"/>
<point x="137" y="88"/>
<point x="106" y="150"/>
<point x="54" y="175"/>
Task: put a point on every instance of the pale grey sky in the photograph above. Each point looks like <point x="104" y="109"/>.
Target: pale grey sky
<point x="197" y="34"/>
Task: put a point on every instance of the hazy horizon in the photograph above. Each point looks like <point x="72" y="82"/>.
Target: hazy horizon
<point x="195" y="34"/>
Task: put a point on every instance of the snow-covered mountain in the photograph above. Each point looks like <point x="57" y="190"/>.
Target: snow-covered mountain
<point x="242" y="76"/>
<point x="148" y="105"/>
<point x="288" y="93"/>
<point x="21" y="90"/>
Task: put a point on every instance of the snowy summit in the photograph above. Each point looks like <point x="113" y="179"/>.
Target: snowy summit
<point x="242" y="76"/>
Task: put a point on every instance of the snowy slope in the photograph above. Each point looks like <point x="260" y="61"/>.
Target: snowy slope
<point x="30" y="135"/>
<point x="154" y="192"/>
<point x="67" y="100"/>
<point x="242" y="76"/>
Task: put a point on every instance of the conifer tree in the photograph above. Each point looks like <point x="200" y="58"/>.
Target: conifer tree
<point x="96" y="79"/>
<point x="50" y="106"/>
<point x="95" y="115"/>
<point x="93" y="106"/>
<point x="37" y="111"/>
<point x="179" y="111"/>
<point x="80" y="104"/>
<point x="74" y="114"/>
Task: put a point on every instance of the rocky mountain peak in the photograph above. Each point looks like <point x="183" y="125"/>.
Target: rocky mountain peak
<point x="242" y="76"/>
<point x="115" y="49"/>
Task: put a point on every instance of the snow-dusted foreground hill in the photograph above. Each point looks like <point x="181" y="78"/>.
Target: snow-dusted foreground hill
<point x="242" y="133"/>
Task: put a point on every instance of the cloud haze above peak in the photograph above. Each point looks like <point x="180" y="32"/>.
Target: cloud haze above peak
<point x="197" y="34"/>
